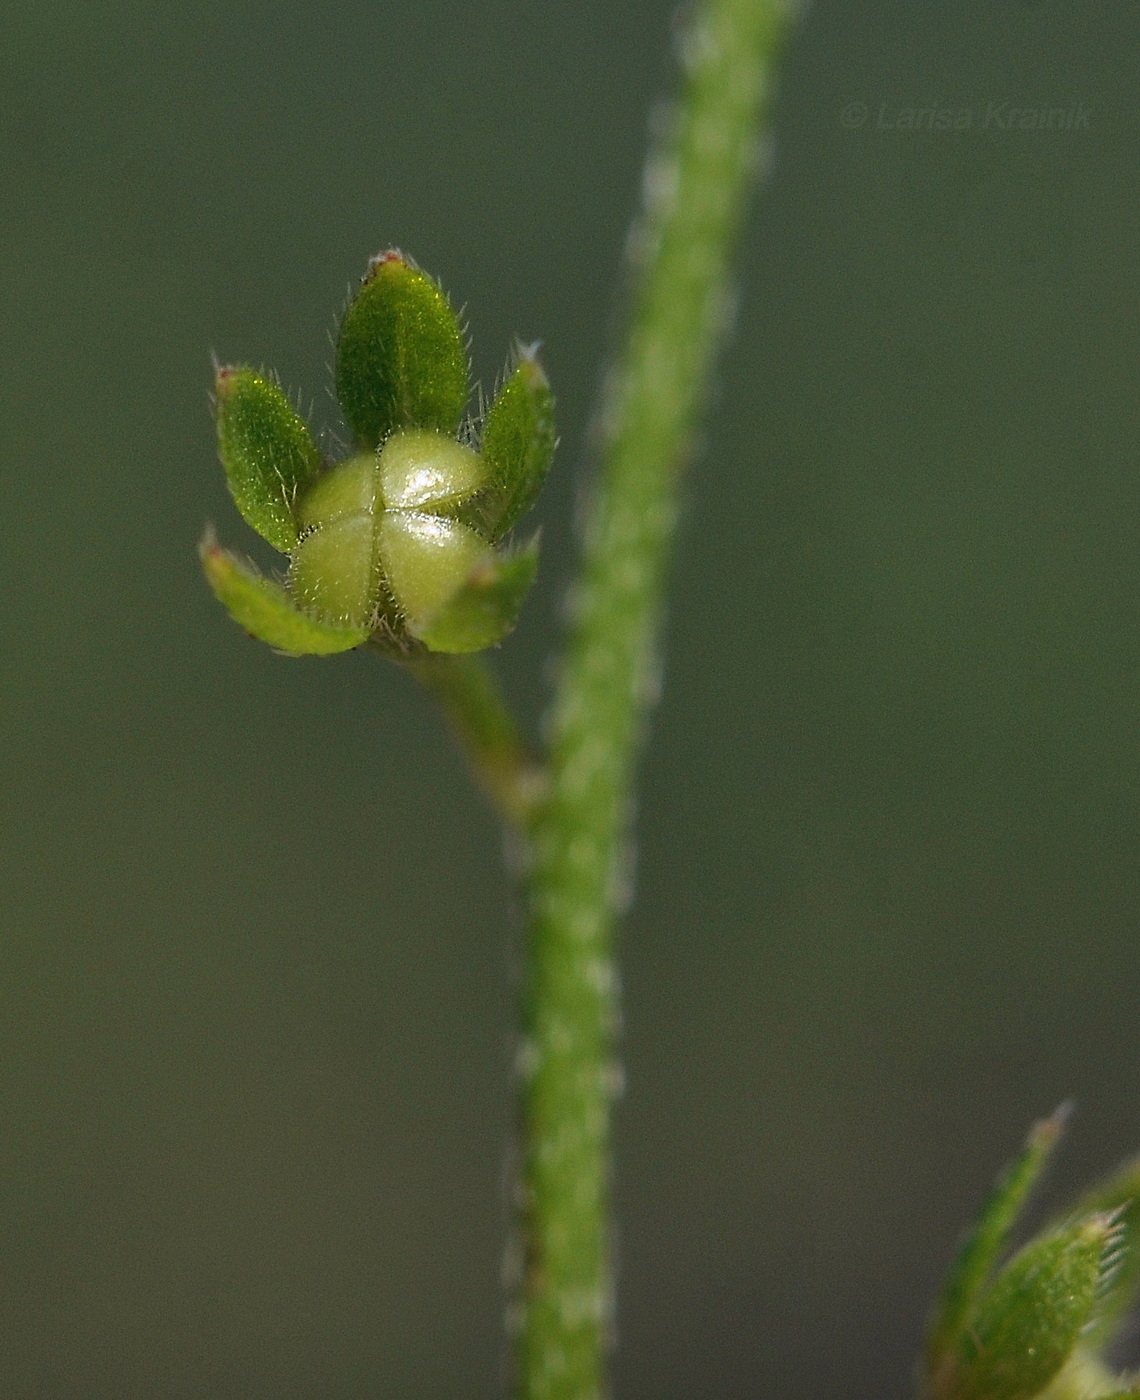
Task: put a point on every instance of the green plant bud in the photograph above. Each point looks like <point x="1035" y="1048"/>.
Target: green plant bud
<point x="266" y="611"/>
<point x="396" y="542"/>
<point x="400" y="357"/>
<point x="1030" y="1320"/>
<point x="981" y="1247"/>
<point x="267" y="451"/>
<point x="518" y="444"/>
<point x="487" y="607"/>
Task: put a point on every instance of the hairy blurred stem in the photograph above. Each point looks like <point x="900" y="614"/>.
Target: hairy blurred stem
<point x="695" y="189"/>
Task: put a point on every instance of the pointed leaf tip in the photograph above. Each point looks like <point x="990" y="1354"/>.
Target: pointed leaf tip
<point x="266" y="449"/>
<point x="265" y="610"/>
<point x="378" y="260"/>
<point x="400" y="356"/>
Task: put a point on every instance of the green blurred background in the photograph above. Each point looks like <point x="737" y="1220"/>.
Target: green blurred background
<point x="258" y="953"/>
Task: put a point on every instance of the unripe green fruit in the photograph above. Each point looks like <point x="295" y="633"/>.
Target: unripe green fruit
<point x="377" y="533"/>
<point x="405" y="543"/>
<point x="334" y="571"/>
<point x="425" y="471"/>
<point x="426" y="560"/>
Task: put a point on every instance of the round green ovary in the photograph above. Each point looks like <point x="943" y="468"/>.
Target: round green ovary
<point x="423" y="469"/>
<point x="332" y="573"/>
<point x="426" y="561"/>
<point x="348" y="488"/>
<point x="353" y="544"/>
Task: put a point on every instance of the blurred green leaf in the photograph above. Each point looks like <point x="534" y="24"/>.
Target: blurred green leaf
<point x="486" y="608"/>
<point x="518" y="444"/>
<point x="266" y="611"/>
<point x="267" y="451"/>
<point x="400" y="358"/>
<point x="1029" y="1321"/>
<point x="979" y="1250"/>
<point x="1119" y="1194"/>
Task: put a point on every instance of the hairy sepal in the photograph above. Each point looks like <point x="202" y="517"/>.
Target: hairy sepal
<point x="400" y="357"/>
<point x="266" y="449"/>
<point x="517" y="445"/>
<point x="265" y="610"/>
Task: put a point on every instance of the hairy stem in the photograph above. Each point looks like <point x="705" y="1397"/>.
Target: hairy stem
<point x="695" y="189"/>
<point x="468" y="693"/>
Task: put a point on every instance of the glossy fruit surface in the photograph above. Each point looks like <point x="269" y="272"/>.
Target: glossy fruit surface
<point x="378" y="540"/>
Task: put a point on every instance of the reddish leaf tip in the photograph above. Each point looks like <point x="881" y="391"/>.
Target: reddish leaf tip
<point x="224" y="375"/>
<point x="389" y="255"/>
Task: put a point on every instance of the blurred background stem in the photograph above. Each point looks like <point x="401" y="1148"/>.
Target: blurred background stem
<point x="695" y="187"/>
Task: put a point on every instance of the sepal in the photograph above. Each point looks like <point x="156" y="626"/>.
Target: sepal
<point x="265" y="610"/>
<point x="981" y="1247"/>
<point x="400" y="356"/>
<point x="487" y="607"/>
<point x="1120" y="1194"/>
<point x="1029" y="1322"/>
<point x="518" y="444"/>
<point x="266" y="449"/>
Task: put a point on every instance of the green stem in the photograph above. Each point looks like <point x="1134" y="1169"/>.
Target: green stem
<point x="468" y="693"/>
<point x="695" y="194"/>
